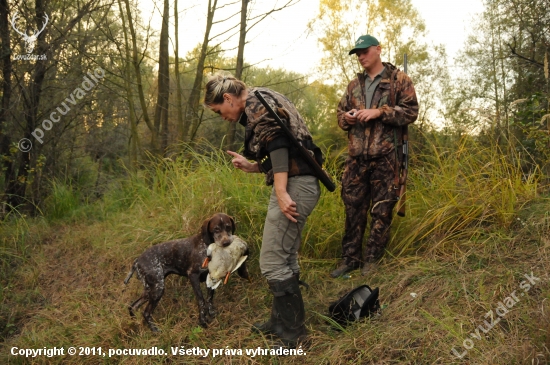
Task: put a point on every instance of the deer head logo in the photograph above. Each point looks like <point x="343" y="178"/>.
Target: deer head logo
<point x="30" y="41"/>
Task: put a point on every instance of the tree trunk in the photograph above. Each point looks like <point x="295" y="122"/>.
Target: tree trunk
<point x="177" y="74"/>
<point x="5" y="140"/>
<point x="494" y="72"/>
<point x="161" y="111"/>
<point x="136" y="62"/>
<point x="135" y="146"/>
<point x="504" y="89"/>
<point x="239" y="69"/>
<point x="192" y="119"/>
<point x="16" y="188"/>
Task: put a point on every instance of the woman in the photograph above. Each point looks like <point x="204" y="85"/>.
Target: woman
<point x="295" y="191"/>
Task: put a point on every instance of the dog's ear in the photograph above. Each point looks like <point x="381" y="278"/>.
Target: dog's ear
<point x="205" y="232"/>
<point x="232" y="224"/>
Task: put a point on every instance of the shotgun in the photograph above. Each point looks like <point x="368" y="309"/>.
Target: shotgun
<point x="403" y="175"/>
<point x="321" y="174"/>
<point x="404" y="162"/>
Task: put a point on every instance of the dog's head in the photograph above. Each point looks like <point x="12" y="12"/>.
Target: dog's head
<point x="218" y="229"/>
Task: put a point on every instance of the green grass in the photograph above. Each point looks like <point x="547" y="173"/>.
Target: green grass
<point x="475" y="225"/>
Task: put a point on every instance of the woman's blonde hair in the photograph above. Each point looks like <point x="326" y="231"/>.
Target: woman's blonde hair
<point x="219" y="84"/>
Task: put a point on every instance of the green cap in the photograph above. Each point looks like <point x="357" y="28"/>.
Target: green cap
<point x="365" y="41"/>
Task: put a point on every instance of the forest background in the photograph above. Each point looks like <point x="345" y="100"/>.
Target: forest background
<point x="106" y="149"/>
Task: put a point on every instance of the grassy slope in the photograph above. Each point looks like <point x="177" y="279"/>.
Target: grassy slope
<point x="461" y="249"/>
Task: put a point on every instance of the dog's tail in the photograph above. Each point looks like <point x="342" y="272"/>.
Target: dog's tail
<point x="129" y="276"/>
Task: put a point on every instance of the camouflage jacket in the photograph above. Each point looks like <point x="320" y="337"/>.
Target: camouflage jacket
<point x="263" y="135"/>
<point x="376" y="138"/>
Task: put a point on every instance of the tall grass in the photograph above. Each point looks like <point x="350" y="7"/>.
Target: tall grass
<point x="19" y="234"/>
<point x="454" y="192"/>
<point x="459" y="191"/>
<point x="61" y="202"/>
<point x="197" y="184"/>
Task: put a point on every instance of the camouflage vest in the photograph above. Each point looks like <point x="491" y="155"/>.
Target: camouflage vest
<point x="261" y="129"/>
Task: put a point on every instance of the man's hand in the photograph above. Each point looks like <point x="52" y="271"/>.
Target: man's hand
<point x="350" y="117"/>
<point x="363" y="115"/>
<point x="242" y="163"/>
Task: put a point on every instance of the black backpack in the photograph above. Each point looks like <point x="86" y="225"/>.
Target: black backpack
<point x="356" y="304"/>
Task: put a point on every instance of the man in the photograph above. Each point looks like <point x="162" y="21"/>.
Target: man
<point x="373" y="110"/>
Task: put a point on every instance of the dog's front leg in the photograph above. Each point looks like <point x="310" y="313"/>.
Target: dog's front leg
<point x="195" y="283"/>
<point x="210" y="303"/>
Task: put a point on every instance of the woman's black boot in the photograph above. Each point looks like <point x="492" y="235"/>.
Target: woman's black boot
<point x="289" y="310"/>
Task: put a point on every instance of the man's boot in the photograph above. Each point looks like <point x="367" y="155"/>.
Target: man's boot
<point x="372" y="256"/>
<point x="343" y="268"/>
<point x="368" y="268"/>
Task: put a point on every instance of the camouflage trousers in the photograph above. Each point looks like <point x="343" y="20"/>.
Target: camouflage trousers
<point x="367" y="187"/>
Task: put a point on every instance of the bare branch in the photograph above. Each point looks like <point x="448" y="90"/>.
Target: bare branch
<point x="233" y="3"/>
<point x="224" y="32"/>
<point x="233" y="68"/>
<point x="265" y="15"/>
<point x="223" y="20"/>
<point x="514" y="53"/>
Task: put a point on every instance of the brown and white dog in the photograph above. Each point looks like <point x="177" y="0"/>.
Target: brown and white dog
<point x="182" y="257"/>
